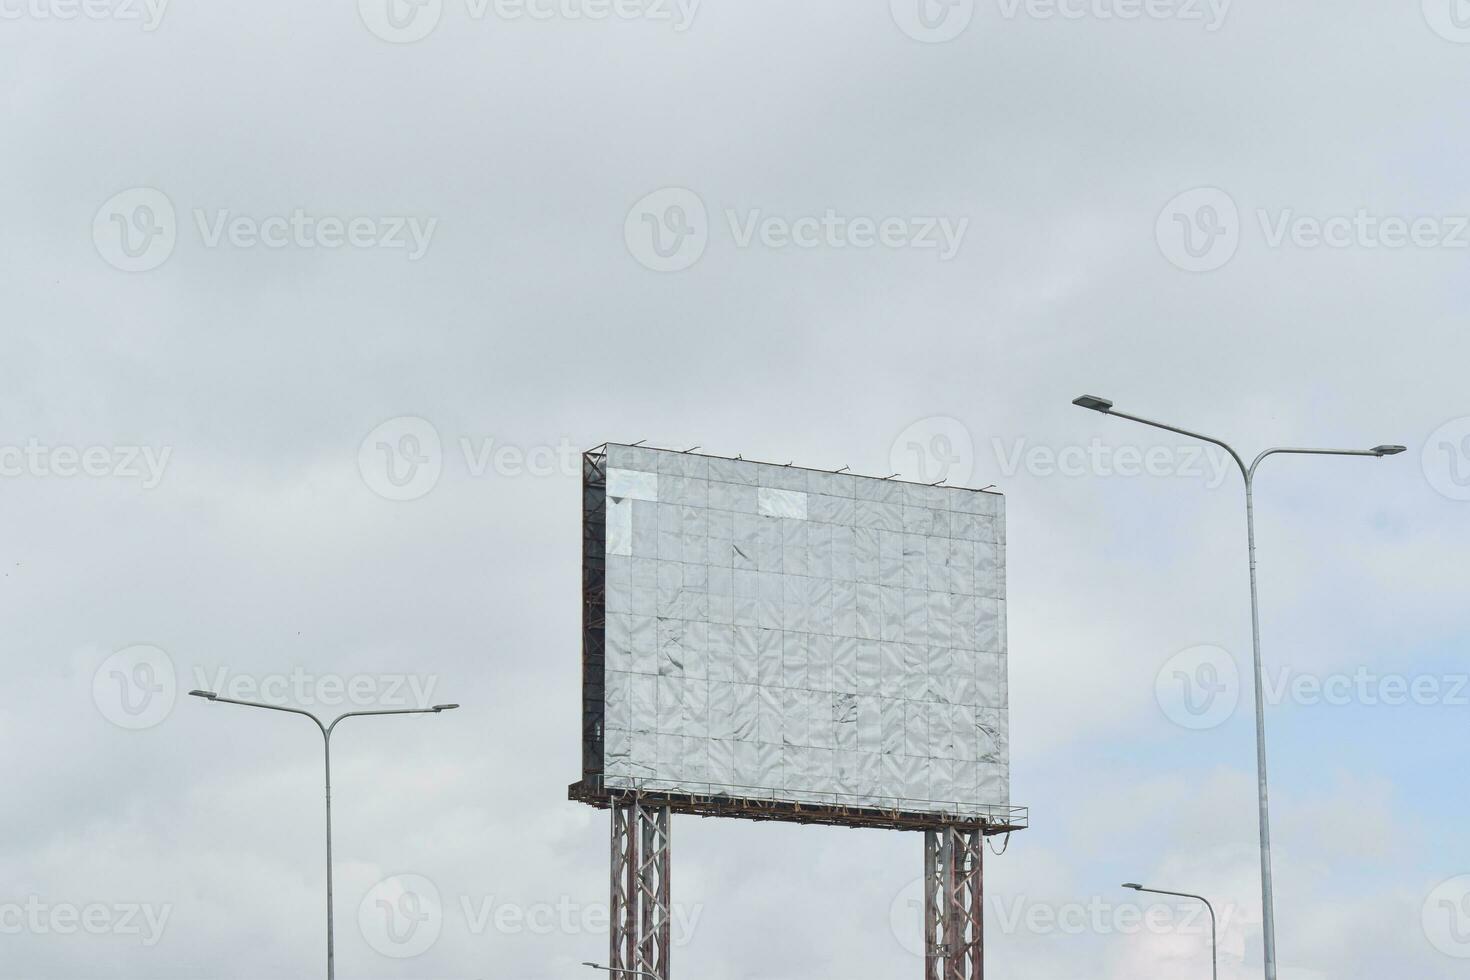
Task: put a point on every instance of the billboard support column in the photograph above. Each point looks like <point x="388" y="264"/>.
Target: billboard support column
<point x="932" y="958"/>
<point x="641" y="922"/>
<point x="954" y="904"/>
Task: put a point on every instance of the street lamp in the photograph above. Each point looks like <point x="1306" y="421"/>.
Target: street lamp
<point x="1103" y="405"/>
<point x="609" y="969"/>
<point x="1214" y="935"/>
<point x="327" y="746"/>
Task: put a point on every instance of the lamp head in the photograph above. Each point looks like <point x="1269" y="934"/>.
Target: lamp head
<point x="1381" y="451"/>
<point x="1133" y="885"/>
<point x="203" y="694"/>
<point x="1094" y="403"/>
<point x="445" y="707"/>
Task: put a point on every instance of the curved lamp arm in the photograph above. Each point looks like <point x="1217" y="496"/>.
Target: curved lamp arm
<point x="211" y="696"/>
<point x="1214" y="926"/>
<point x="1378" y="451"/>
<point x="390" y="711"/>
<point x="1106" y="407"/>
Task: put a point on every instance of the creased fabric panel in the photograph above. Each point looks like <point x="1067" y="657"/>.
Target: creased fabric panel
<point x="785" y="633"/>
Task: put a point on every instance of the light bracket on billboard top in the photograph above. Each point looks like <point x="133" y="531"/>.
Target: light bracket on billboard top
<point x="783" y="643"/>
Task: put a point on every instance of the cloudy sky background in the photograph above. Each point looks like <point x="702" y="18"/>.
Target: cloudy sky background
<point x="533" y="320"/>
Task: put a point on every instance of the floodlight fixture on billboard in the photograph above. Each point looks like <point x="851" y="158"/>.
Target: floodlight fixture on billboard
<point x="786" y="643"/>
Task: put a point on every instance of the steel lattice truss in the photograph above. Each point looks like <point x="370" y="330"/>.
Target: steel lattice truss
<point x="641" y="926"/>
<point x="954" y="896"/>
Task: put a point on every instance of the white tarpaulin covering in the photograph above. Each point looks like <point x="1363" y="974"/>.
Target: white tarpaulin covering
<point x="784" y="633"/>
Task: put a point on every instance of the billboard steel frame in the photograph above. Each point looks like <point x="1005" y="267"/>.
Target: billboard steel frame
<point x="954" y="904"/>
<point x="640" y="930"/>
<point x="592" y="788"/>
<point x="640" y="926"/>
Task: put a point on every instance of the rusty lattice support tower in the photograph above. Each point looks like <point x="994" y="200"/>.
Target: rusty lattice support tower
<point x="954" y="904"/>
<point x="641" y="926"/>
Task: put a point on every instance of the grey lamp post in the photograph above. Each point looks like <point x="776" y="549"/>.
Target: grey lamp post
<point x="1268" y="912"/>
<point x="608" y="969"/>
<point x="1214" y="933"/>
<point x="326" y="731"/>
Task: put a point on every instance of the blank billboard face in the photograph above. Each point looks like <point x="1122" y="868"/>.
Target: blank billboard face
<point x="782" y="634"/>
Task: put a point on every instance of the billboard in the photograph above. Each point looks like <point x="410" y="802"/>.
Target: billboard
<point x="780" y="642"/>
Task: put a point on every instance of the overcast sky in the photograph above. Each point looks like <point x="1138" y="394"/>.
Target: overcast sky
<point x="246" y="247"/>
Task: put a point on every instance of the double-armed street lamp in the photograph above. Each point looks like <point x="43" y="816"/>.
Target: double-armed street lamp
<point x="326" y="730"/>
<point x="1103" y="405"/>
